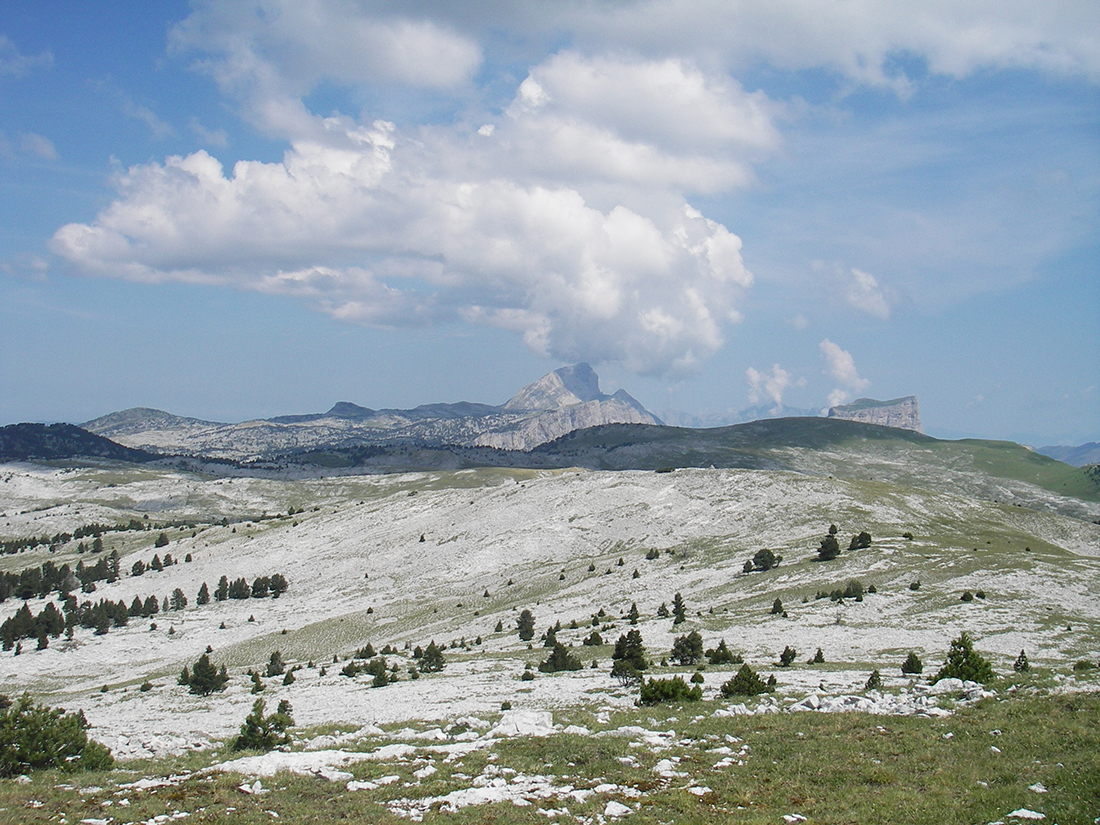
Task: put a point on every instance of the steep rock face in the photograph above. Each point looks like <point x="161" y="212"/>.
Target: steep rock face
<point x="902" y="413"/>
<point x="551" y="424"/>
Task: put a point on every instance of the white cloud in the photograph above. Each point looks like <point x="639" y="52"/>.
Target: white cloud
<point x="865" y="294"/>
<point x="211" y="137"/>
<point x="158" y="127"/>
<point x="837" y="397"/>
<point x="772" y="385"/>
<point x="16" y="64"/>
<point x="358" y="225"/>
<point x="859" y="39"/>
<point x="842" y="367"/>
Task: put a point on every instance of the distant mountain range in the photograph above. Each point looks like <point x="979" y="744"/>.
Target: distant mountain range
<point x="560" y="402"/>
<point x="1077" y="456"/>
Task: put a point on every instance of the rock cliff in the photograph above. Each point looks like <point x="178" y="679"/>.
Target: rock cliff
<point x="903" y="413"/>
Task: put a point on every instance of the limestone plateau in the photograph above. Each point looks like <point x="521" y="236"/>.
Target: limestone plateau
<point x="902" y="413"/>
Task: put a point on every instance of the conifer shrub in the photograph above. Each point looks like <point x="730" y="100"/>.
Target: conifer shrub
<point x="662" y="611"/>
<point x="963" y="662"/>
<point x="629" y="648"/>
<point x="625" y="673"/>
<point x="764" y="559"/>
<point x="35" y="737"/>
<point x="526" y="624"/>
<point x="967" y="596"/>
<point x="146" y="686"/>
<point x="257" y="682"/>
<point x="722" y="655"/>
<point x="777" y="608"/>
<point x="275" y="665"/>
<point x="593" y="639"/>
<point x="787" y="656"/>
<point x="912" y="664"/>
<point x="861" y="541"/>
<point x="560" y="659"/>
<point x="288" y="679"/>
<point x="1083" y="665"/>
<point x="697" y="678"/>
<point x="633" y="615"/>
<point x="679" y="610"/>
<point x="745" y="683"/>
<point x="265" y="733"/>
<point x="1021" y="665"/>
<point x="874" y="681"/>
<point x="527" y="676"/>
<point x="688" y="649"/>
<point x="829" y="548"/>
<point x="658" y="691"/>
<point x="205" y="678"/>
<point x="432" y="660"/>
<point x="818" y="658"/>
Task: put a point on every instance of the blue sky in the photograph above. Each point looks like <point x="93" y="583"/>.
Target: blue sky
<point x="241" y="210"/>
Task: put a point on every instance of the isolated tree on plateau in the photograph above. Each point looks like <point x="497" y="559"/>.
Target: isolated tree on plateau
<point x="205" y="678"/>
<point x="526" y="625"/>
<point x="688" y="650"/>
<point x="679" y="610"/>
<point x="829" y="548"/>
<point x="265" y="733"/>
<point x="431" y="660"/>
<point x="963" y="662"/>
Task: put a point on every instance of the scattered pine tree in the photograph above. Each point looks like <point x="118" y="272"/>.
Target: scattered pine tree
<point x="265" y="733"/>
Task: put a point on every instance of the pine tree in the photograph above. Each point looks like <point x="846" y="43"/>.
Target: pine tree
<point x="204" y="595"/>
<point x="777" y="607"/>
<point x="633" y="615"/>
<point x="662" y="611"/>
<point x="629" y="649"/>
<point x="963" y="662"/>
<point x="526" y="626"/>
<point x="157" y="564"/>
<point x="745" y="683"/>
<point x="551" y="638"/>
<point x="912" y="664"/>
<point x="222" y="591"/>
<point x="763" y="559"/>
<point x="288" y="678"/>
<point x="431" y="661"/>
<point x="688" y="650"/>
<point x="560" y="659"/>
<point x="656" y="691"/>
<point x="1021" y="665"/>
<point x="257" y="683"/>
<point x="138" y="568"/>
<point x="819" y="658"/>
<point x="679" y="610"/>
<point x="162" y="541"/>
<point x="178" y="601"/>
<point x="874" y="681"/>
<point x="265" y="733"/>
<point x="278" y="585"/>
<point x="499" y="628"/>
<point x="829" y="548"/>
<point x="205" y="678"/>
<point x="787" y="656"/>
<point x="275" y="665"/>
<point x="722" y="655"/>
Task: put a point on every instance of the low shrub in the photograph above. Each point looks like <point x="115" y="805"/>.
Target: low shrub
<point x="657" y="691"/>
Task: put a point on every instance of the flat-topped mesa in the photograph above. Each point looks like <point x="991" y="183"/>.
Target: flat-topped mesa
<point x="902" y="413"/>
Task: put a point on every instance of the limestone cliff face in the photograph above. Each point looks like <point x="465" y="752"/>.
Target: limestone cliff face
<point x="903" y="413"/>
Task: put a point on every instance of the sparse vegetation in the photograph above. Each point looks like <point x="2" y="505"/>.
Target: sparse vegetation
<point x="658" y="691"/>
<point x="746" y="682"/>
<point x="963" y="662"/>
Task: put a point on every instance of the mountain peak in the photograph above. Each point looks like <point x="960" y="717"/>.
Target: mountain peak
<point x="563" y="387"/>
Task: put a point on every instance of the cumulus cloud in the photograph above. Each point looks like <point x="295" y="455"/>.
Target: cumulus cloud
<point x="842" y="367"/>
<point x="771" y="385"/>
<point x="865" y="294"/>
<point x="357" y="225"/>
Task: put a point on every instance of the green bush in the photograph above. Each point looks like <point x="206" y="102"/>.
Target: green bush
<point x="205" y="678"/>
<point x="1021" y="665"/>
<point x="912" y="664"/>
<point x="33" y="737"/>
<point x="657" y="691"/>
<point x="745" y="683"/>
<point x="265" y="733"/>
<point x="874" y="681"/>
<point x="787" y="656"/>
<point x="963" y="662"/>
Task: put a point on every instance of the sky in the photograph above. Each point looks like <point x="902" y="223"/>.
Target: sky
<point x="233" y="210"/>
